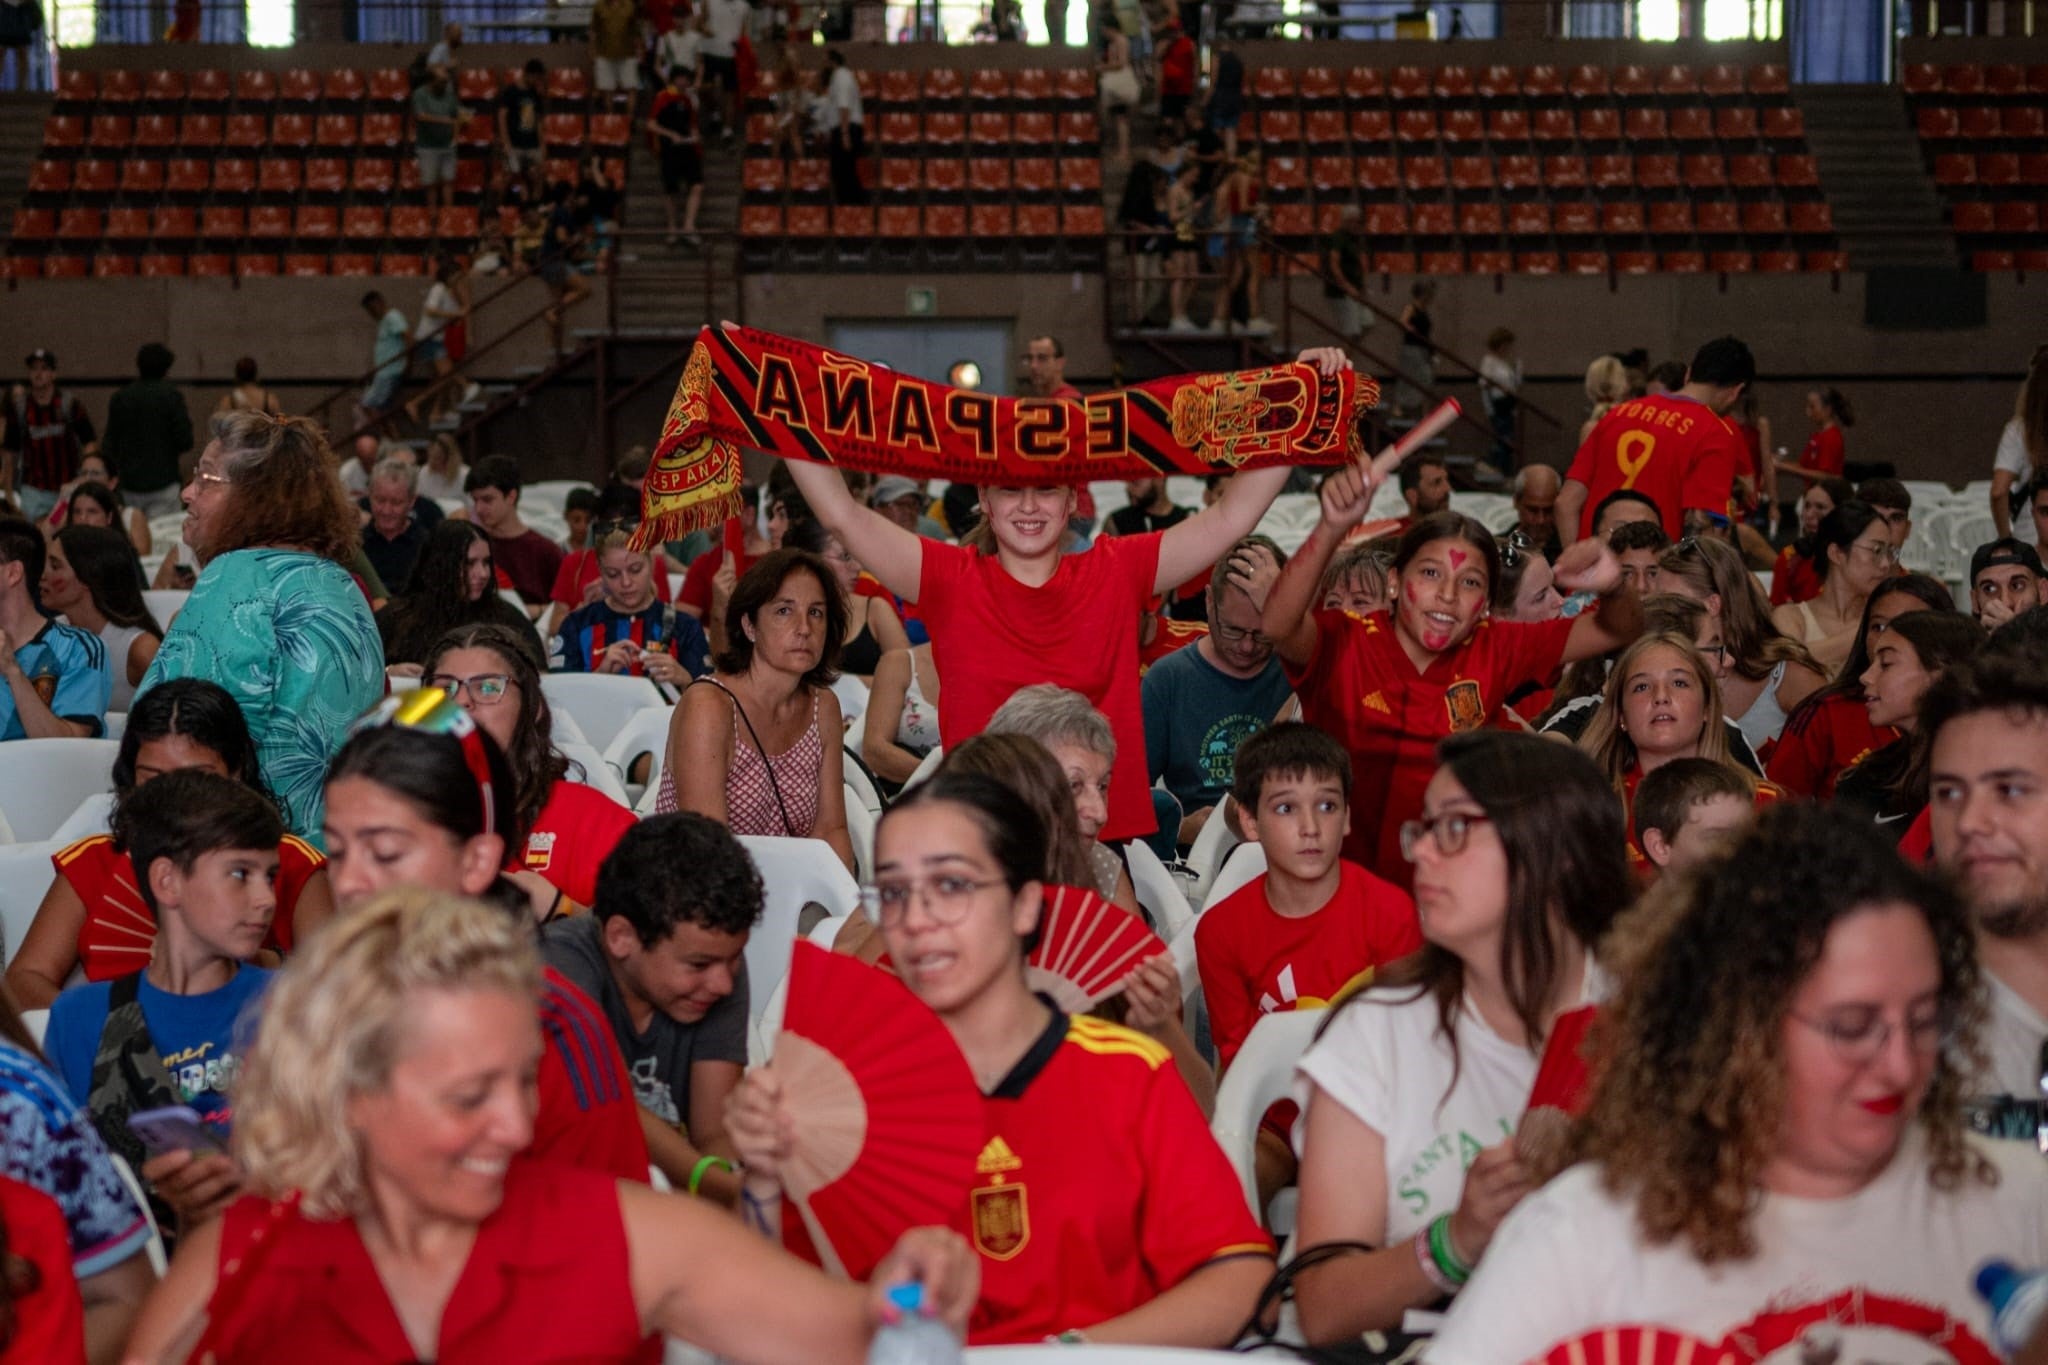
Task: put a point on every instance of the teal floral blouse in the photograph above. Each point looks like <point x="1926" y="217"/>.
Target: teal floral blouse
<point x="290" y="637"/>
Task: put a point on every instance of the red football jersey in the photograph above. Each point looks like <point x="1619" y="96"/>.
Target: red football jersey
<point x="1362" y="688"/>
<point x="587" y="1115"/>
<point x="1766" y="793"/>
<point x="992" y="635"/>
<point x="1793" y="578"/>
<point x="1823" y="738"/>
<point x="1671" y="449"/>
<point x="48" y="1326"/>
<point x="1171" y="636"/>
<point x="572" y="836"/>
<point x="119" y="932"/>
<point x="1255" y="961"/>
<point x="1825" y="452"/>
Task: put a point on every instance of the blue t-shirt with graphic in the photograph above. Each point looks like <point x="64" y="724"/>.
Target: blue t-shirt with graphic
<point x="587" y="630"/>
<point x="68" y="669"/>
<point x="199" y="1038"/>
<point x="1195" y="717"/>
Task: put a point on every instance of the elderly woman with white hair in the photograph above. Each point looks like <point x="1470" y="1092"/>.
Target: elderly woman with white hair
<point x="275" y="617"/>
<point x="388" y="1213"/>
<point x="1080" y="740"/>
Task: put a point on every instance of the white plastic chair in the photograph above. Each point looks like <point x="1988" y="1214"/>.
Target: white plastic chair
<point x="860" y="786"/>
<point x="95" y="815"/>
<point x="601" y="703"/>
<point x="1246" y="865"/>
<point x="43" y="780"/>
<point x="1156" y="888"/>
<point x="925" y="768"/>
<point x="588" y="766"/>
<point x="1210" y="848"/>
<point x="1261" y="1074"/>
<point x="157" y="1259"/>
<point x="853" y="698"/>
<point x="548" y="496"/>
<point x="116" y="725"/>
<point x="165" y="603"/>
<point x="25" y="874"/>
<point x="794" y="872"/>
<point x="860" y="829"/>
<point x="645" y="732"/>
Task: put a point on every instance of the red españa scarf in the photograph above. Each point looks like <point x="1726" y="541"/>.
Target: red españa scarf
<point x="741" y="387"/>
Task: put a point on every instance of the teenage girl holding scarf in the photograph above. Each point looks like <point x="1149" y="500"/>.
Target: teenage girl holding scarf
<point x="1391" y="685"/>
<point x="1009" y="609"/>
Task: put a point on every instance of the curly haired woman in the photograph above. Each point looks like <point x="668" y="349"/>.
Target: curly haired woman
<point x="1774" y="1153"/>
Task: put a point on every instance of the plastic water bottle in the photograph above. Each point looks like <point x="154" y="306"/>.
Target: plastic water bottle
<point x="2017" y="1297"/>
<point x="914" y="1339"/>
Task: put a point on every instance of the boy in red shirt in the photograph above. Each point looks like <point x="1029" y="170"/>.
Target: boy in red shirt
<point x="1313" y="929"/>
<point x="1677" y="448"/>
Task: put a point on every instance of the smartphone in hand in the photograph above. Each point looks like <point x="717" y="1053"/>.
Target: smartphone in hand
<point x="173" y="1128"/>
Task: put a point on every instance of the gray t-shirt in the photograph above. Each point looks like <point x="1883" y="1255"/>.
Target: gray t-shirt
<point x="444" y="104"/>
<point x="659" y="1059"/>
<point x="1195" y="717"/>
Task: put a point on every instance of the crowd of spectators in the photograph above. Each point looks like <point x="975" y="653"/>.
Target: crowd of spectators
<point x="356" y="918"/>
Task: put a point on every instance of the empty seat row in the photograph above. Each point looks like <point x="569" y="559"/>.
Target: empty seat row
<point x="385" y="85"/>
<point x="1616" y="171"/>
<point x="1994" y="169"/>
<point x="951" y="86"/>
<point x="984" y="129"/>
<point x="1628" y="261"/>
<point x="2024" y="259"/>
<point x="254" y="132"/>
<point x="1542" y="82"/>
<point x="241" y="176"/>
<point x="1946" y="123"/>
<point x="1603" y="123"/>
<point x="211" y="264"/>
<point x="1977" y="218"/>
<point x="2000" y="79"/>
<point x="764" y="177"/>
<point x="982" y="221"/>
<point x="1628" y="218"/>
<point x="219" y="223"/>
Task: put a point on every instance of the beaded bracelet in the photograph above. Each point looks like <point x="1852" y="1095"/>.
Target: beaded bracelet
<point x="1445" y="1284"/>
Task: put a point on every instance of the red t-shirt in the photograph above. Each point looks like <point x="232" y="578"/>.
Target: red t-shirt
<point x="307" y="1290"/>
<point x="49" y="1320"/>
<point x="575" y="832"/>
<point x="992" y="635"/>
<point x="1177" y="66"/>
<point x="1672" y="450"/>
<point x="587" y="1116"/>
<point x="1766" y="794"/>
<point x="1916" y="846"/>
<point x="1823" y="738"/>
<point x="530" y="561"/>
<point x="1255" y="961"/>
<point x="119" y="932"/>
<point x="1170" y="637"/>
<point x="580" y="569"/>
<point x="1825" y="452"/>
<point x="697" y="578"/>
<point x="1361" y="688"/>
<point x="1793" y="578"/>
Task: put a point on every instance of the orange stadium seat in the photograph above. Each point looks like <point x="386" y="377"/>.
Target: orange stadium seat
<point x="156" y="131"/>
<point x="1769" y="78"/>
<point x="199" y="130"/>
<point x="1750" y="171"/>
<point x="760" y="220"/>
<point x="1623" y="219"/>
<point x="476" y="85"/>
<point x="1371" y="125"/>
<point x="174" y="223"/>
<point x="1469" y="173"/>
<point x="1453" y="83"/>
<point x="1461" y="125"/>
<point x="1080" y="175"/>
<point x="1034" y="175"/>
<point x="1798" y="171"/>
<point x="853" y="220"/>
<point x="245" y="132"/>
<point x="1271" y="83"/>
<point x="565" y="85"/>
<point x="255" y="265"/>
<point x="1393" y="262"/>
<point x="77" y="87"/>
<point x="1479" y="220"/>
<point x="1576" y="218"/>
<point x="1365" y="83"/>
<point x="110" y="132"/>
<point x="1600" y="124"/>
<point x="142" y="177"/>
<point x="1633" y="82"/>
<point x="1784" y="123"/>
<point x="1508" y="125"/>
<point x="335" y="130"/>
<point x="370" y="175"/>
<point x="95" y="175"/>
<point x="1423" y="173"/>
<point x="1043" y="220"/>
<point x="1415" y="125"/>
<point x="221" y="223"/>
<point x="1764" y="218"/>
<point x="1635" y="262"/>
<point x="1644" y="123"/>
<point x="1736" y="124"/>
<point x="120" y="86"/>
<point x="1966" y="79"/>
<point x="317" y="222"/>
<point x="1542" y="82"/>
<point x="382" y="130"/>
<point x="344" y="85"/>
<point x="1324" y="127"/>
<point x="944" y="85"/>
<point x="1082" y="220"/>
<point x="989" y="176"/>
<point x="1498" y="83"/>
<point x="1731" y="262"/>
<point x="1777" y="262"/>
<point x="1685" y="262"/>
<point x="299" y="86"/>
<point x="270" y="220"/>
<point x="1490" y="262"/>
<point x="946" y="130"/>
<point x="1407" y="83"/>
<point x="1587" y="82"/>
<point x="1720" y="217"/>
<point x="279" y="175"/>
<point x="305" y="264"/>
<point x="213" y="265"/>
<point x="1553" y="125"/>
<point x="1386" y="220"/>
<point x="1811" y="218"/>
<point x="1080" y="130"/>
<point x="326" y="174"/>
<point x="1586" y="262"/>
<point x="988" y="87"/>
<point x="1441" y="262"/>
<point x="1433" y="220"/>
<point x="208" y="86"/>
<point x="65" y="266"/>
<point x="459" y="220"/>
<point x="110" y="265"/>
<point x="1671" y="218"/>
<point x="1692" y="123"/>
<point x="34" y="225"/>
<point x="161" y="265"/>
<point x="1321" y="85"/>
<point x="354" y="263"/>
<point x="80" y="224"/>
<point x="49" y="176"/>
<point x="389" y="86"/>
<point x="1537" y="263"/>
<point x="610" y="131"/>
<point x="255" y="87"/>
<point x="1378" y="173"/>
<point x="1531" y="219"/>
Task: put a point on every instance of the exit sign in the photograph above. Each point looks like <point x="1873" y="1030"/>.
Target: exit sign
<point x="921" y="301"/>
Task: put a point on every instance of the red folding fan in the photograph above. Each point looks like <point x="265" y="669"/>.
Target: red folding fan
<point x="888" y="1118"/>
<point x="1563" y="1086"/>
<point x="1087" y="948"/>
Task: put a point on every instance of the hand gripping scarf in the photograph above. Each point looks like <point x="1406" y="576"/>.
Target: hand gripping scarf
<point x="742" y="387"/>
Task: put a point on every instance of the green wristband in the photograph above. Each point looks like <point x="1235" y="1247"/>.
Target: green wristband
<point x="705" y="1163"/>
<point x="1444" y="1254"/>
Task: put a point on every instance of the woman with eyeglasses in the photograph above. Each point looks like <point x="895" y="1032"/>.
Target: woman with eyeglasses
<point x="1792" y="577"/>
<point x="1762" y="672"/>
<point x="1774" y="1152"/>
<point x="1831" y="730"/>
<point x="628" y="630"/>
<point x="93" y="919"/>
<point x="567" y="828"/>
<point x="454" y="584"/>
<point x="1852" y="552"/>
<point x="1891" y="785"/>
<point x="1414" y="1089"/>
<point x="757" y="744"/>
<point x="1660" y="704"/>
<point x="395" y="1209"/>
<point x="276" y="618"/>
<point x="872" y="625"/>
<point x="1103" y="1209"/>
<point x="1436" y="663"/>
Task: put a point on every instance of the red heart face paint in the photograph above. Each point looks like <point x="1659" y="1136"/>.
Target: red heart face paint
<point x="1443" y="593"/>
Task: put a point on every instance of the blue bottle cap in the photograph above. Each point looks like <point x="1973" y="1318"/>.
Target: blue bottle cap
<point x="909" y="1296"/>
<point x="1993" y="1276"/>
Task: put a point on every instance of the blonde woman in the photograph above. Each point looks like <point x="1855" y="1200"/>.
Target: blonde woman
<point x="444" y="473"/>
<point x="1606" y="385"/>
<point x="379" y="1123"/>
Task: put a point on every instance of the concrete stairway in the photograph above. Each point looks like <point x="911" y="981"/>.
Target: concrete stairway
<point x="1885" y="207"/>
<point x="663" y="290"/>
<point x="21" y="137"/>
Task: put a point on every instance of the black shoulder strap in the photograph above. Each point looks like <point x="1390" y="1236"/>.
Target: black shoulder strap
<point x="128" y="1073"/>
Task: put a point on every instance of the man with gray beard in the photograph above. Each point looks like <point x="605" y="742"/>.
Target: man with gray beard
<point x="1988" y="816"/>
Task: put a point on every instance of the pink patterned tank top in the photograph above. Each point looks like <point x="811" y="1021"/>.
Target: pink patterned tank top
<point x="750" y="798"/>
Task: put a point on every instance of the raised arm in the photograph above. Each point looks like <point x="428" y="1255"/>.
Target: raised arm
<point x="893" y="555"/>
<point x="1590" y="566"/>
<point x="1571" y="505"/>
<point x="1288" y="620"/>
<point x="1200" y="541"/>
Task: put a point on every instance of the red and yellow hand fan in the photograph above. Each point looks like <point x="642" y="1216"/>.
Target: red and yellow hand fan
<point x="1087" y="948"/>
<point x="888" y="1118"/>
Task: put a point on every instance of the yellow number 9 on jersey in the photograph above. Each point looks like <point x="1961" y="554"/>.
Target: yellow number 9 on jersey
<point x="1632" y="452"/>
